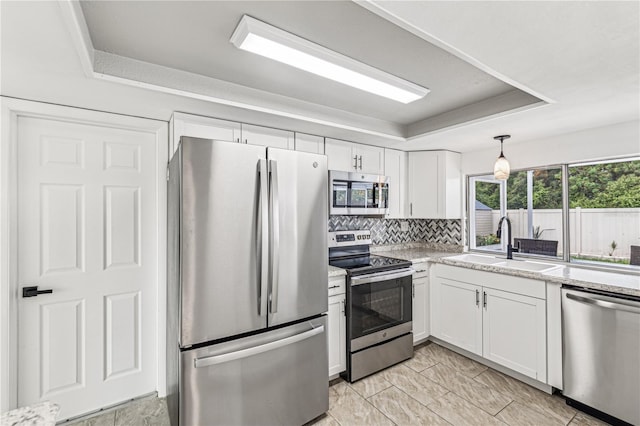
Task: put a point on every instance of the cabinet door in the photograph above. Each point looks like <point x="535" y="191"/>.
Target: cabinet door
<point x="370" y="159"/>
<point x="395" y="167"/>
<point x="198" y="126"/>
<point x="423" y="185"/>
<point x="456" y="313"/>
<point x="309" y="143"/>
<point x="337" y="335"/>
<point x="449" y="185"/>
<point x="435" y="185"/>
<point x="514" y="332"/>
<point x="420" y="309"/>
<point x="340" y="155"/>
<point x="266" y="136"/>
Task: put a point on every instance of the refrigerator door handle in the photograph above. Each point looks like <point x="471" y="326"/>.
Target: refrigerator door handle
<point x="263" y="237"/>
<point x="274" y="252"/>
<point x="245" y="353"/>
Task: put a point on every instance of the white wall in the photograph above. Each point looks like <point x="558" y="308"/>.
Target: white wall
<point x="618" y="140"/>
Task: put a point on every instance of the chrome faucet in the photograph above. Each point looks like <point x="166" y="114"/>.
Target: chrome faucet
<point x="510" y="248"/>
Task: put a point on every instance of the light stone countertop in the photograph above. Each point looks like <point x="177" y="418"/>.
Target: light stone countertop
<point x="620" y="283"/>
<point x="416" y="255"/>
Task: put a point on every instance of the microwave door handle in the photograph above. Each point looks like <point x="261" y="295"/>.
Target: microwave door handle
<point x="263" y="237"/>
<point x="275" y="234"/>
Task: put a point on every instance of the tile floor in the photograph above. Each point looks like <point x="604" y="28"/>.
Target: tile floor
<point x="435" y="387"/>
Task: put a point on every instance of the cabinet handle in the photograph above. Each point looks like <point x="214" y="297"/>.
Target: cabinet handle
<point x="484" y="299"/>
<point x="343" y="310"/>
<point x="238" y="140"/>
<point x="246" y="141"/>
<point x="355" y="162"/>
<point x="361" y="162"/>
<point x="334" y="286"/>
<point x="410" y="209"/>
<point x="413" y="290"/>
<point x="477" y="297"/>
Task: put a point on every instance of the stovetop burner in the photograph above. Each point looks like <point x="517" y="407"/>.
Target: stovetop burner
<point x="368" y="263"/>
<point x="350" y="250"/>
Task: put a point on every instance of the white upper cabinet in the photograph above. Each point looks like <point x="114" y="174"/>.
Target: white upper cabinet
<point x="395" y="167"/>
<point x="266" y="136"/>
<point x="434" y="185"/>
<point x="309" y="143"/>
<point x="198" y="126"/>
<point x="353" y="157"/>
<point x="370" y="159"/>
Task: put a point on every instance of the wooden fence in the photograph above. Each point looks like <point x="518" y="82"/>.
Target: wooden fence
<point x="591" y="230"/>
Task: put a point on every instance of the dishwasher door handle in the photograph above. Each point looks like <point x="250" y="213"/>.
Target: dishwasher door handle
<point x="619" y="306"/>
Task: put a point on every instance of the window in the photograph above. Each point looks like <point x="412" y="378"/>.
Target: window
<point x="531" y="199"/>
<point x="603" y="214"/>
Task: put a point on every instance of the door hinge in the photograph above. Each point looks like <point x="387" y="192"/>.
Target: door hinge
<point x="167" y="173"/>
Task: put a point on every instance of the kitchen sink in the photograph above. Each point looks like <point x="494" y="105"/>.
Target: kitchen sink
<point x="523" y="265"/>
<point x="477" y="258"/>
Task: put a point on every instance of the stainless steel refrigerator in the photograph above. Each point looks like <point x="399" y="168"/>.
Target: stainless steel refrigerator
<point x="247" y="285"/>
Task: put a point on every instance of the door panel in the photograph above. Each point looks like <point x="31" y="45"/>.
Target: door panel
<point x="514" y="332"/>
<point x="337" y="334"/>
<point x="370" y="159"/>
<point x="459" y="317"/>
<point x="82" y="193"/>
<point x="340" y="155"/>
<point x="267" y="136"/>
<point x="300" y="289"/>
<point x="220" y="222"/>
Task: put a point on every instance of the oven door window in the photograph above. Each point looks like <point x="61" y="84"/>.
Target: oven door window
<point x="379" y="305"/>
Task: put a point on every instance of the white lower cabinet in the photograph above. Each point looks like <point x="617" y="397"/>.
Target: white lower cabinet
<point x="337" y="327"/>
<point x="498" y="317"/>
<point x="420" y="307"/>
<point x="514" y="332"/>
<point x="457" y="317"/>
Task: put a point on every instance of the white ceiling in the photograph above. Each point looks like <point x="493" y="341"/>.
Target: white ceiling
<point x="194" y="37"/>
<point x="484" y="62"/>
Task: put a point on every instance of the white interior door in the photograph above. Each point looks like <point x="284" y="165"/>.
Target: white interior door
<point x="87" y="229"/>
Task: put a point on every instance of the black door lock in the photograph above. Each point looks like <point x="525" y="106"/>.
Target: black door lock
<point x="33" y="291"/>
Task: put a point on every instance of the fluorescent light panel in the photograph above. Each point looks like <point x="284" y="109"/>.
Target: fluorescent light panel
<point x="263" y="39"/>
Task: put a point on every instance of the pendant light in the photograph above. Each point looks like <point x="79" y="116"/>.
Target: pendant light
<point x="501" y="169"/>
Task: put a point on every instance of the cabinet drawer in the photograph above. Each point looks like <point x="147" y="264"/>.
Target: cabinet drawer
<point x="336" y="286"/>
<point x="422" y="270"/>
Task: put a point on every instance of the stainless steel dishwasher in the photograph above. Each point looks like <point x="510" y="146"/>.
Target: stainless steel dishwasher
<point x="601" y="353"/>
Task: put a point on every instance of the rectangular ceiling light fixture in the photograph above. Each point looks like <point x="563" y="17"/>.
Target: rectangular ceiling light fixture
<point x="263" y="39"/>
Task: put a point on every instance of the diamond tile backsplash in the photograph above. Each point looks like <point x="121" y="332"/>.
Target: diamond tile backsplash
<point x="387" y="231"/>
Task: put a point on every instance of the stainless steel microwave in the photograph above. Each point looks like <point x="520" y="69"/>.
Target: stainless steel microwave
<point x="352" y="193"/>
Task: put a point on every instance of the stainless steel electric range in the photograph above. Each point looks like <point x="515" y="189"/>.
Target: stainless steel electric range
<point x="379" y="299"/>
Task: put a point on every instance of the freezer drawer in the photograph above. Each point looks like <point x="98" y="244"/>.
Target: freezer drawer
<point x="601" y="339"/>
<point x="275" y="378"/>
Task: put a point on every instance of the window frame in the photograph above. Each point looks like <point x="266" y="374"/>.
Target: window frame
<point x="566" y="224"/>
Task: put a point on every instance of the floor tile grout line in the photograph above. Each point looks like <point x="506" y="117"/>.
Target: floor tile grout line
<point x="504" y="408"/>
<point x="379" y="411"/>
<point x="427" y="406"/>
<point x="477" y="406"/>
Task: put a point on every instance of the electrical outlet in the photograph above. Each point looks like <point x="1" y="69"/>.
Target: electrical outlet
<point x="404" y="226"/>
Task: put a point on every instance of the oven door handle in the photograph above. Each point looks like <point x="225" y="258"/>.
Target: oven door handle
<point x="381" y="276"/>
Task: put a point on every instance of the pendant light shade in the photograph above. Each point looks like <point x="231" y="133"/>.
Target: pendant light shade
<point x="501" y="169"/>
